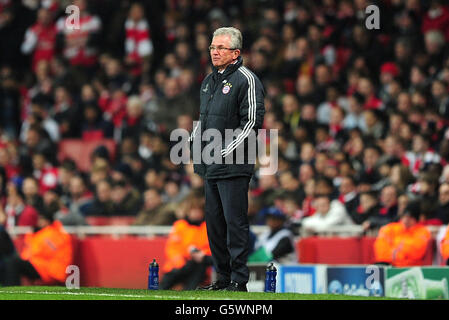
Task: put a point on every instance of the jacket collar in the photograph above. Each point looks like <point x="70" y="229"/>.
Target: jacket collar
<point x="230" y="68"/>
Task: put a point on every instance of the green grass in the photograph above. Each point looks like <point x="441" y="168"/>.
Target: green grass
<point x="62" y="293"/>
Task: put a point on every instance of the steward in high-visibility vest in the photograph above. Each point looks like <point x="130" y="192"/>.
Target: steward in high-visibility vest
<point x="403" y="243"/>
<point x="187" y="252"/>
<point x="49" y="250"/>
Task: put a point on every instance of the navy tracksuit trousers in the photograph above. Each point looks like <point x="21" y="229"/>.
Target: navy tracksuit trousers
<point x="227" y="223"/>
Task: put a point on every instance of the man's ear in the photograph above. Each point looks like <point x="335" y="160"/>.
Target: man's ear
<point x="236" y="53"/>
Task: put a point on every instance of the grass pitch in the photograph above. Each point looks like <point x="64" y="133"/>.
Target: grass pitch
<point x="62" y="293"/>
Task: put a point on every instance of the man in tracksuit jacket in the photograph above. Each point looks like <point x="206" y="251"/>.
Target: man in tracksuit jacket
<point x="232" y="97"/>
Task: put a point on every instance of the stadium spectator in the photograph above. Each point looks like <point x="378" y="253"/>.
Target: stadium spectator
<point x="328" y="214"/>
<point x="401" y="177"/>
<point x="386" y="212"/>
<point x="306" y="205"/>
<point x="16" y="212"/>
<point x="389" y="201"/>
<point x="45" y="256"/>
<point x="289" y="183"/>
<point x="44" y="172"/>
<point x="66" y="113"/>
<point x="421" y="156"/>
<point x="66" y="170"/>
<point x="277" y="242"/>
<point x="30" y="190"/>
<point x="187" y="252"/>
<point x="348" y="194"/>
<point x="35" y="141"/>
<point x="442" y="211"/>
<point x="40" y="116"/>
<point x="100" y="171"/>
<point x="40" y="38"/>
<point x="369" y="170"/>
<point x="102" y="204"/>
<point x="93" y="126"/>
<point x="138" y="43"/>
<point x="126" y="199"/>
<point x="10" y="99"/>
<point x="80" y="44"/>
<point x="134" y="121"/>
<point x="80" y="199"/>
<point x="403" y="243"/>
<point x="368" y="208"/>
<point x="154" y="212"/>
<point x="436" y="18"/>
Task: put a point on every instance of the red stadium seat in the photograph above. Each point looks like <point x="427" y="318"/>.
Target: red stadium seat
<point x="80" y="151"/>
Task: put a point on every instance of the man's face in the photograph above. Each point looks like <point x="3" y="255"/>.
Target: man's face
<point x="444" y="194"/>
<point x="43" y="16"/>
<point x="30" y="187"/>
<point x="222" y="58"/>
<point x="305" y="173"/>
<point x="408" y="221"/>
<point x="388" y="196"/>
<point x="346" y="186"/>
<point x="367" y="202"/>
<point x="152" y="199"/>
<point x="419" y="144"/>
<point x="76" y="187"/>
<point x="103" y="191"/>
<point x="195" y="214"/>
<point x="370" y="158"/>
<point x="274" y="223"/>
<point x="322" y="205"/>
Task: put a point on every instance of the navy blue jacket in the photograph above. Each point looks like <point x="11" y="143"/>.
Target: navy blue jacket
<point x="231" y="100"/>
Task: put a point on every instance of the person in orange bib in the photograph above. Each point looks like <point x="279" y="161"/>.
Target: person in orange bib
<point x="46" y="254"/>
<point x="444" y="247"/>
<point x="187" y="250"/>
<point x="403" y="243"/>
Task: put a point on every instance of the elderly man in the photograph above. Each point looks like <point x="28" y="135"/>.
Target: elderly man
<point x="232" y="97"/>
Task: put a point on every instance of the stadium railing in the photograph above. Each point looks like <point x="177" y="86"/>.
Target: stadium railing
<point x="115" y="230"/>
<point x="150" y="230"/>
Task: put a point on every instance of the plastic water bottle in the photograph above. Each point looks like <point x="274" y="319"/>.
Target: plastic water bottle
<point x="270" y="278"/>
<point x="153" y="276"/>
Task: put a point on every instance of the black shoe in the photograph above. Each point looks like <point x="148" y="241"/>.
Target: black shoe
<point x="234" y="286"/>
<point x="214" y="286"/>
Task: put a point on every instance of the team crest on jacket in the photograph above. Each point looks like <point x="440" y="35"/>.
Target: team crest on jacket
<point x="226" y="88"/>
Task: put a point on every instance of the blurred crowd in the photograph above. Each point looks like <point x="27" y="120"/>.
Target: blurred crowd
<point x="362" y="115"/>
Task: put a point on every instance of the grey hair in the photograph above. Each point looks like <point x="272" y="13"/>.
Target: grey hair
<point x="236" y="36"/>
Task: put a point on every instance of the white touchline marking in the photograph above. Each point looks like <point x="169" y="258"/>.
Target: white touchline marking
<point x="107" y="295"/>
